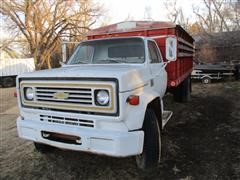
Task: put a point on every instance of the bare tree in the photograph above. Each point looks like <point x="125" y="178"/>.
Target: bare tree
<point x="175" y="14"/>
<point x="14" y="47"/>
<point x="173" y="11"/>
<point x="218" y="15"/>
<point x="234" y="13"/>
<point x="5" y="47"/>
<point x="45" y="23"/>
<point x="195" y="28"/>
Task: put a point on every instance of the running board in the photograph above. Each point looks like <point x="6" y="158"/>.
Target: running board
<point x="165" y="117"/>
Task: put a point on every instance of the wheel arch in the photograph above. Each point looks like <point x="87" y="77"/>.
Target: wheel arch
<point x="148" y="99"/>
<point x="206" y="76"/>
<point x="156" y="105"/>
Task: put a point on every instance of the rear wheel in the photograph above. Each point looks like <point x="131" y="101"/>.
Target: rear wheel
<point x="43" y="148"/>
<point x="206" y="80"/>
<point x="8" y="82"/>
<point x="182" y="93"/>
<point x="152" y="143"/>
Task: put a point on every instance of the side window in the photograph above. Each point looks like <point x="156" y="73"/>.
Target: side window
<point x="153" y="53"/>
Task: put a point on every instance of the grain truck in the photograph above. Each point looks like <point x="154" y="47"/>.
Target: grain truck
<point x="108" y="98"/>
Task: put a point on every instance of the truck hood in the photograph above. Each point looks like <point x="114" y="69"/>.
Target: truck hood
<point x="129" y="76"/>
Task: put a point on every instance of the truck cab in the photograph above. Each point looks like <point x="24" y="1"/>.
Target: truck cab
<point x="106" y="100"/>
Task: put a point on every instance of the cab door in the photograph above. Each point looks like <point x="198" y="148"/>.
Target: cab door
<point x="157" y="68"/>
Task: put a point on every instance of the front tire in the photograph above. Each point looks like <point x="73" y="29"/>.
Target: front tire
<point x="152" y="143"/>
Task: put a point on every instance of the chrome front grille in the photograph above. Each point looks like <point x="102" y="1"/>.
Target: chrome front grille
<point x="69" y="96"/>
<point x="67" y="121"/>
<point x="75" y="95"/>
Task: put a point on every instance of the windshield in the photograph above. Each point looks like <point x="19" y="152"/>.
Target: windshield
<point x="109" y="51"/>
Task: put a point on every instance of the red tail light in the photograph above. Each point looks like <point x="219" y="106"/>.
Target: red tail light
<point x="15" y="94"/>
<point x="133" y="100"/>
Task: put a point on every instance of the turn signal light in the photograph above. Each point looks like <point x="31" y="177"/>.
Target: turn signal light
<point x="133" y="100"/>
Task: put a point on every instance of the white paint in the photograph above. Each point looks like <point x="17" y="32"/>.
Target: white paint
<point x="110" y="134"/>
<point x="111" y="143"/>
<point x="14" y="67"/>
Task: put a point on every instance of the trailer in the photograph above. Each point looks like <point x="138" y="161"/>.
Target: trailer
<point x="11" y="68"/>
<point x="210" y="72"/>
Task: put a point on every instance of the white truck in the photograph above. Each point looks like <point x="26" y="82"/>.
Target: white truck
<point x="108" y="98"/>
<point x="11" y="68"/>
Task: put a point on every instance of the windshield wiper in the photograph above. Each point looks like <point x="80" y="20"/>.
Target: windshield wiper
<point x="80" y="62"/>
<point x="112" y="60"/>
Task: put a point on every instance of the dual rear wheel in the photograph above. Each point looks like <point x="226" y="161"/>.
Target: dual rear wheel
<point x="182" y="93"/>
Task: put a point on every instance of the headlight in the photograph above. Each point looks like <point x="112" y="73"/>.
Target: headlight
<point x="102" y="97"/>
<point x="29" y="93"/>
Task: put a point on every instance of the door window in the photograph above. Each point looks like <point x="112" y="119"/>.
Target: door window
<point x="153" y="53"/>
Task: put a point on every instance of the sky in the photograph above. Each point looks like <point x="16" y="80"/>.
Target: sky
<point x="119" y="10"/>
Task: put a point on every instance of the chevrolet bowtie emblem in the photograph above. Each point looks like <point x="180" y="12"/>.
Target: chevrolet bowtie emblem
<point x="60" y="95"/>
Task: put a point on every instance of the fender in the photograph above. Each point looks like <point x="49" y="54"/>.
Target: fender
<point x="134" y="115"/>
<point x="206" y="76"/>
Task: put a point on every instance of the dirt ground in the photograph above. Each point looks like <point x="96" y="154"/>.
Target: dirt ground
<point x="201" y="141"/>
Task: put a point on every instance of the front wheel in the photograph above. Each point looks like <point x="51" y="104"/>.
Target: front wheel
<point x="152" y="143"/>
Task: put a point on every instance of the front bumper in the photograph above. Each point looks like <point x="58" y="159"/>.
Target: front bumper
<point x="107" y="142"/>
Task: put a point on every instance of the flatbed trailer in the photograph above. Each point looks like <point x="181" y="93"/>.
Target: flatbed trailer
<point x="208" y="72"/>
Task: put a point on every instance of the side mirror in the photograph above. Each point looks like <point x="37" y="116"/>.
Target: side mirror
<point x="171" y="49"/>
<point x="64" y="53"/>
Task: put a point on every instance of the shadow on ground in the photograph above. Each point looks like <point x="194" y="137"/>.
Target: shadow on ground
<point x="201" y="141"/>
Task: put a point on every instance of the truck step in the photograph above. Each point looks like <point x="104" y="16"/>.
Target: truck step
<point x="165" y="117"/>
